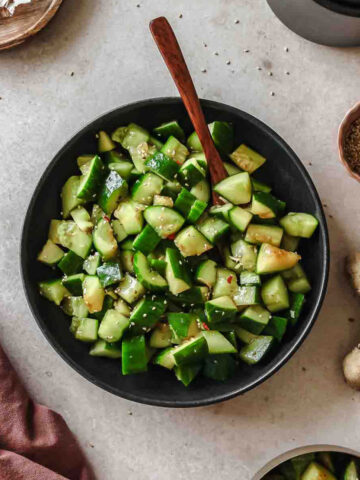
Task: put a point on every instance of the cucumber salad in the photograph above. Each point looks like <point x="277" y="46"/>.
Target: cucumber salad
<point x="317" y="466"/>
<point x="151" y="272"/>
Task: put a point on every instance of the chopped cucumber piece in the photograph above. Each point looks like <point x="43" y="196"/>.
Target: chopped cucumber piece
<point x="71" y="237"/>
<point x="352" y="472"/>
<point x="245" y="336"/>
<point x="122" y="307"/>
<point x="163" y="201"/>
<point x="218" y="343"/>
<point x="276" y="327"/>
<point x="161" y="336"/>
<point x="213" y="229"/>
<point x="183" y="326"/>
<point x="187" y="373"/>
<point x="163" y="166"/>
<point x="201" y="191"/>
<point x="206" y="273"/>
<point x="249" y="278"/>
<point x="177" y="275"/>
<point x="119" y="231"/>
<point x="91" y="264"/>
<point x="109" y="273"/>
<point x="299" y="224"/>
<point x="105" y="144"/>
<point x="296" y="279"/>
<point x="87" y="331"/>
<point x="75" y="307"/>
<point x="130" y="214"/>
<point x="69" y="197"/>
<point x="74" y="283"/>
<point x="191" y="351"/>
<point x="105" y="349"/>
<point x="247" y="159"/>
<point x="219" y="367"/>
<point x="239" y="218"/>
<point x="272" y="259"/>
<point x="147" y="240"/>
<point x="134" y="355"/>
<point x="191" y="173"/>
<point x="94" y="293"/>
<point x="290" y="243"/>
<point x="259" y="234"/>
<point x="236" y="189"/>
<point x="256" y="350"/>
<point x="222" y="134"/>
<point x="297" y="301"/>
<point x="54" y="230"/>
<point x="231" y="169"/>
<point x="175" y="150"/>
<point x="150" y="279"/>
<point x="82" y="219"/>
<point x="130" y="289"/>
<point x="71" y="263"/>
<point x="113" y="326"/>
<point x="147" y="313"/>
<point x="222" y="211"/>
<point x="193" y="296"/>
<point x="165" y="221"/>
<point x="247" y="295"/>
<point x="191" y="242"/>
<point x="165" y="358"/>
<point x="244" y="255"/>
<point x="315" y="471"/>
<point x="266" y="206"/>
<point x="53" y="290"/>
<point x="50" y="254"/>
<point x="225" y="284"/>
<point x="275" y="295"/>
<point x="168" y="129"/>
<point x="91" y="182"/>
<point x="146" y="187"/>
<point x="127" y="261"/>
<point x="124" y="169"/>
<point x="254" y="319"/>
<point x="104" y="240"/>
<point x="108" y="303"/>
<point x="114" y="189"/>
<point x="220" y="309"/>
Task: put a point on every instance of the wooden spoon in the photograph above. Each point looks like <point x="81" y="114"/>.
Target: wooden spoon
<point x="170" y="50"/>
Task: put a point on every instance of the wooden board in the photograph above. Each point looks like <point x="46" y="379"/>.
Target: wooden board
<point x="26" y="22"/>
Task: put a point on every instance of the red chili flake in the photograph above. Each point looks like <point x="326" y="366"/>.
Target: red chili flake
<point x="172" y="236"/>
<point x="132" y="258"/>
<point x="229" y="279"/>
<point x="106" y="218"/>
<point x="205" y="326"/>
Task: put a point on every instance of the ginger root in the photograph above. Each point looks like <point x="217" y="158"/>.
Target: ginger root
<point x="352" y="265"/>
<point x="351" y="363"/>
<point x="351" y="366"/>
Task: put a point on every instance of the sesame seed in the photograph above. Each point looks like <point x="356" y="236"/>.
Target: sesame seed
<point x="286" y="49"/>
<point x="246" y="50"/>
<point x="237" y="21"/>
<point x="216" y="53"/>
<point x="228" y="62"/>
<point x="270" y="74"/>
<point x="272" y="94"/>
<point x="181" y="15"/>
<point x="203" y="70"/>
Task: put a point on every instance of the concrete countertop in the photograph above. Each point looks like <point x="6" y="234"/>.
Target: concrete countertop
<point x="107" y="46"/>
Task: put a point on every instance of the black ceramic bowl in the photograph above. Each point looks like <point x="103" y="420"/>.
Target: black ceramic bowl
<point x="159" y="387"/>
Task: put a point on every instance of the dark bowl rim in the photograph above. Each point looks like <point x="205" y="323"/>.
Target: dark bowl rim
<point x="181" y="403"/>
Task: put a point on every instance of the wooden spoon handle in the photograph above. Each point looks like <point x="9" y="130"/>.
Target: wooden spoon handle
<point x="174" y="59"/>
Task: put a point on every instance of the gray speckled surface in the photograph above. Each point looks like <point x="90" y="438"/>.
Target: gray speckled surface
<point x="107" y="45"/>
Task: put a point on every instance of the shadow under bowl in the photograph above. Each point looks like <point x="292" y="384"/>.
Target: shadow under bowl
<point x="290" y="181"/>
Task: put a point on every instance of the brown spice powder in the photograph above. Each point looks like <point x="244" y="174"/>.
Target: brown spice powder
<point x="352" y="147"/>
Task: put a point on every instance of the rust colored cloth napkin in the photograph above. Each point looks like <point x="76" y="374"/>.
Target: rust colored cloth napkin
<point x="35" y="442"/>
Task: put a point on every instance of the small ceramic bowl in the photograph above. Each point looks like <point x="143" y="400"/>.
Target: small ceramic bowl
<point x="352" y="115"/>
<point x="302" y="451"/>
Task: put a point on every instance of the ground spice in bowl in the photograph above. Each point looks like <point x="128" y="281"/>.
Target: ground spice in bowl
<point x="352" y="146"/>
